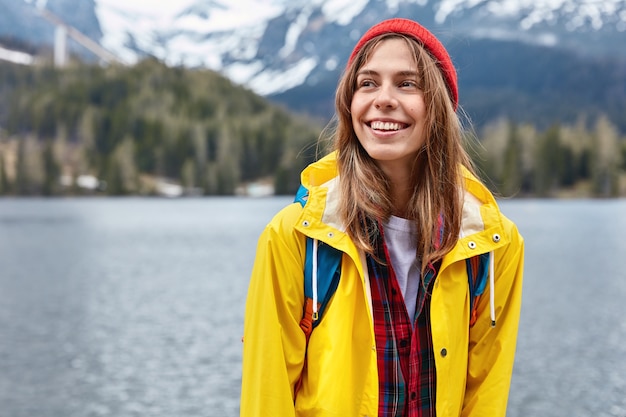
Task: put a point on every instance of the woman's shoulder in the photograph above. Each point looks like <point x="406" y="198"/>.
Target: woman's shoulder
<point x="286" y="218"/>
<point x="280" y="234"/>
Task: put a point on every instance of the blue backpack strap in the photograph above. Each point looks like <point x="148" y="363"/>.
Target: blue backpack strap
<point x="477" y="272"/>
<point x="328" y="274"/>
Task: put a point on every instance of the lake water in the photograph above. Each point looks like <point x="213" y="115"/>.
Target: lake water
<point x="134" y="307"/>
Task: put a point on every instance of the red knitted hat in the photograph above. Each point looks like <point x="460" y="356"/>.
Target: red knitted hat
<point x="422" y="35"/>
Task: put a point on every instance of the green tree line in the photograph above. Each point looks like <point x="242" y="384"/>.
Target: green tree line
<point x="576" y="160"/>
<point x="133" y="128"/>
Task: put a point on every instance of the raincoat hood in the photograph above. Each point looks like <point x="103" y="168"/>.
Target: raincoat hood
<point x="481" y="213"/>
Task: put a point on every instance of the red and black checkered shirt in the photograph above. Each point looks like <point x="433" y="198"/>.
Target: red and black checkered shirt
<point x="406" y="363"/>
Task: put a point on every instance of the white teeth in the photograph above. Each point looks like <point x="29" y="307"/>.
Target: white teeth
<point x="385" y="126"/>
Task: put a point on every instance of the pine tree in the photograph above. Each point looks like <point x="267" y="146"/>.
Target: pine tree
<point x="605" y="159"/>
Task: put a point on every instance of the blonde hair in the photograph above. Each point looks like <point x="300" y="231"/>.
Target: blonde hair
<point x="437" y="181"/>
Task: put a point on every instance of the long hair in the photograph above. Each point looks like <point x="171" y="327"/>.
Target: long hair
<point x="437" y="181"/>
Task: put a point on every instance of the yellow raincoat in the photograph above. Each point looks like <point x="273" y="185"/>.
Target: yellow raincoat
<point x="473" y="364"/>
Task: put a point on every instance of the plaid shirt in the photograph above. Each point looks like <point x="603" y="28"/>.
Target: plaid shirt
<point x="406" y="363"/>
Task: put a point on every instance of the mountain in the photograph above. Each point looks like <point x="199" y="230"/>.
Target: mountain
<point x="274" y="45"/>
<point x="293" y="50"/>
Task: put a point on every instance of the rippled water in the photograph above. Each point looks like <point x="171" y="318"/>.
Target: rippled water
<point x="571" y="355"/>
<point x="134" y="307"/>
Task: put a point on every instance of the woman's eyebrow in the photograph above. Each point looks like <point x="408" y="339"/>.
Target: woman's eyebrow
<point x="366" y="72"/>
<point x="407" y="73"/>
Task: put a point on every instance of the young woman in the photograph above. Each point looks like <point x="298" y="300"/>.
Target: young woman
<point x="404" y="333"/>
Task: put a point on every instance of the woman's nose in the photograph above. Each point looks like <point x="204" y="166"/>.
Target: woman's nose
<point x="385" y="98"/>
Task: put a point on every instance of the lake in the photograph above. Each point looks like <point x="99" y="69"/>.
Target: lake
<point x="134" y="307"/>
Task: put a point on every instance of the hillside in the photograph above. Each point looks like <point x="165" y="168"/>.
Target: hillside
<point x="133" y="128"/>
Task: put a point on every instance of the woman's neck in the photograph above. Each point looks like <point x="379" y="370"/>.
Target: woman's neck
<point x="400" y="197"/>
<point x="401" y="185"/>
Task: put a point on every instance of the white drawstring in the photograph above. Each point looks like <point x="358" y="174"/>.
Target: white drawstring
<point x="314" y="280"/>
<point x="492" y="280"/>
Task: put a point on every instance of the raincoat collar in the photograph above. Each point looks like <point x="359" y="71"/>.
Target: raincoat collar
<point x="481" y="230"/>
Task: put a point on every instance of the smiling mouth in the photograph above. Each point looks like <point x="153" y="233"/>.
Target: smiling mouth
<point x="387" y="126"/>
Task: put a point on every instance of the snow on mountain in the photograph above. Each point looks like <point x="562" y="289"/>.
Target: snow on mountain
<point x="203" y="33"/>
<point x="272" y="46"/>
<point x="577" y="13"/>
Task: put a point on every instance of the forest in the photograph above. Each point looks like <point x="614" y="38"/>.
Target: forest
<point x="95" y="130"/>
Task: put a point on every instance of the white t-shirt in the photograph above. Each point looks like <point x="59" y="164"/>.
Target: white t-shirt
<point x="401" y="240"/>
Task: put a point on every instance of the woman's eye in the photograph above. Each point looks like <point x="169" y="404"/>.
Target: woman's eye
<point x="408" y="83"/>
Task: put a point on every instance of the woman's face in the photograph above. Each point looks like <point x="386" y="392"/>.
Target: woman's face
<point x="388" y="110"/>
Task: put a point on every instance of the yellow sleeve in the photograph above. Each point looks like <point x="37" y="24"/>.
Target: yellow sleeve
<point x="274" y="345"/>
<point x="492" y="350"/>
